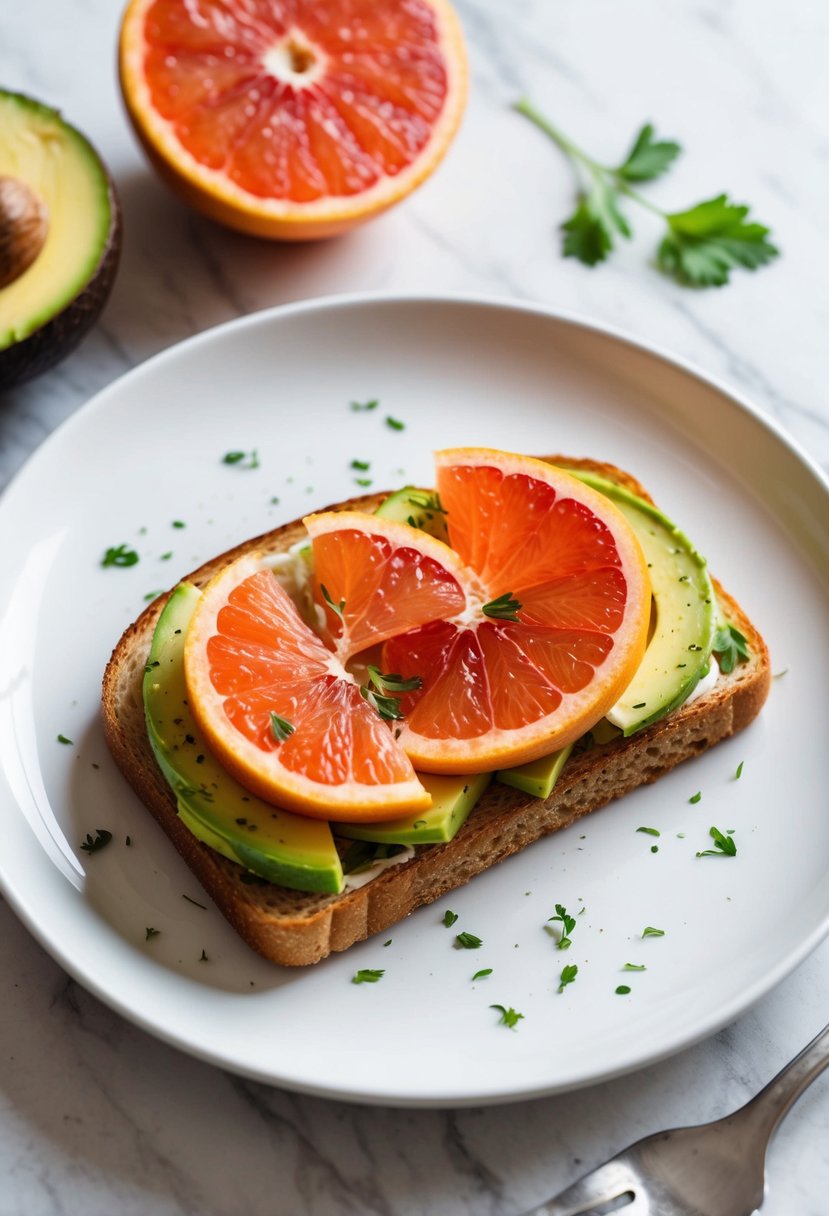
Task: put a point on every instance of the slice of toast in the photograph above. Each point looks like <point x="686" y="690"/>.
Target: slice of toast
<point x="295" y="928"/>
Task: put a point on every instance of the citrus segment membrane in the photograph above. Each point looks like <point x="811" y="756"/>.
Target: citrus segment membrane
<point x="280" y="711"/>
<point x="375" y="578"/>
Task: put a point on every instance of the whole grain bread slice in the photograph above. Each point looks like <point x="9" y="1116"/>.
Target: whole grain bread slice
<point x="293" y="928"/>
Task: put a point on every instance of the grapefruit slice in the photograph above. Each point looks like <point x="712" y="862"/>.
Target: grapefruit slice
<point x="555" y="624"/>
<point x="293" y="119"/>
<point x="375" y="578"/>
<point x="281" y="713"/>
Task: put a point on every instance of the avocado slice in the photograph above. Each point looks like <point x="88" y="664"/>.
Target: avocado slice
<point x="452" y="800"/>
<point x="60" y="237"/>
<point x="282" y="847"/>
<point x="685" y="605"/>
<point x="537" y="777"/>
<point x="419" y="508"/>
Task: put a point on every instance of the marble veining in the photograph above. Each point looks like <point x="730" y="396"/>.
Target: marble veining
<point x="98" y="1117"/>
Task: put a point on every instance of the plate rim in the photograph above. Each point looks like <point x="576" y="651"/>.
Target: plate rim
<point x="494" y="303"/>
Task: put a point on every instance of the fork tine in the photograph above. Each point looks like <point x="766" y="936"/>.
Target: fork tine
<point x="601" y="1186"/>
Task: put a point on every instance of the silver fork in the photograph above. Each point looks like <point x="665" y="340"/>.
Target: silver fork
<point x="715" y="1169"/>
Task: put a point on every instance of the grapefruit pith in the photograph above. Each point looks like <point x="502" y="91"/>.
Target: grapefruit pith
<point x="293" y="119"/>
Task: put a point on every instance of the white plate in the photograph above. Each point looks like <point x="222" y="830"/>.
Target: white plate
<point x="147" y="451"/>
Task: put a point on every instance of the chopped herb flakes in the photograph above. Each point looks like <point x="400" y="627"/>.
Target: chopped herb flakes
<point x="623" y="990"/>
<point x="362" y="481"/>
<point x="509" y="1017"/>
<point x="724" y="845"/>
<point x="101" y="840"/>
<point x="449" y="918"/>
<point x="634" y="967"/>
<point x="63" y="739"/>
<point x="696" y="797"/>
<point x="568" y="924"/>
<point x="245" y="460"/>
<point x="367" y="976"/>
<point x="567" y="976"/>
<point x="281" y="728"/>
<point x="150" y="932"/>
<point x="650" y="831"/>
<point x="178" y="523"/>
<point x="468" y="941"/>
<point x="395" y="424"/>
<point x="649" y="931"/>
<point x="388" y="943"/>
<point x="362" y="466"/>
<point x="654" y="848"/>
<point x="362" y="406"/>
<point x="739" y="771"/>
<point x="119" y="555"/>
<point x="505" y="608"/>
<point x="730" y="647"/>
<point x="338" y="608"/>
<point x="482" y="974"/>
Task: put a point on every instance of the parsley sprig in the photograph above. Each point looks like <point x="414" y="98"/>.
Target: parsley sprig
<point x="384" y="697"/>
<point x="567" y="976"/>
<point x="724" y="845"/>
<point x="509" y="1017"/>
<point x="505" y="608"/>
<point x="568" y="924"/>
<point x="730" y="647"/>
<point x="367" y="975"/>
<point x="702" y="244"/>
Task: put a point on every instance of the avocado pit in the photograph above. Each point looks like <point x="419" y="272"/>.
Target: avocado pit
<point x="24" y="222"/>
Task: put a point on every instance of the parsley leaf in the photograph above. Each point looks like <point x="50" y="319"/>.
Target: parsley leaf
<point x="449" y="918"/>
<point x="648" y="158"/>
<point x="505" y="608"/>
<point x="482" y="974"/>
<point x="101" y="840"/>
<point x="338" y="608"/>
<point x="392" y="683"/>
<point x="568" y="924"/>
<point x="509" y="1017"/>
<point x="589" y="232"/>
<point x="119" y="555"/>
<point x="649" y="931"/>
<point x="567" y="976"/>
<point x="731" y="647"/>
<point x="281" y="728"/>
<point x="245" y="460"/>
<point x="468" y="941"/>
<point x="706" y="242"/>
<point x="387" y="707"/>
<point x="367" y="976"/>
<point x="724" y="846"/>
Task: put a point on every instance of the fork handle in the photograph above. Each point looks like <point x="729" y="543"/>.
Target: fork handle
<point x="768" y="1109"/>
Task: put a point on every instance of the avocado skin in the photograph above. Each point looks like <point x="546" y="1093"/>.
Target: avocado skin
<point x="59" y="336"/>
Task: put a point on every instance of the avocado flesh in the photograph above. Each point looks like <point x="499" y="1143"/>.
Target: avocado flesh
<point x="679" y="648"/>
<point x="452" y="800"/>
<point x="414" y="506"/>
<point x="281" y="847"/>
<point x="64" y="172"/>
<point x="538" y="777"/>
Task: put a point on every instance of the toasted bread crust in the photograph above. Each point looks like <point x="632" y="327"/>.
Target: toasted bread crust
<point x="294" y="928"/>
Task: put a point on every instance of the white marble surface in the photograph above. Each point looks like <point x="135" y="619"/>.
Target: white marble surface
<point x="95" y="1116"/>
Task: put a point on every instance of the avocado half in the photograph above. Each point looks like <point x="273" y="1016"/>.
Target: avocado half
<point x="60" y="237"/>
